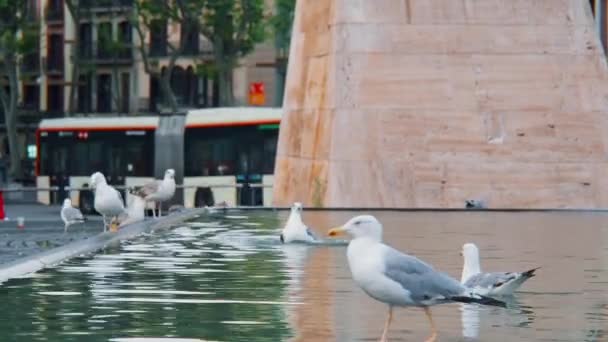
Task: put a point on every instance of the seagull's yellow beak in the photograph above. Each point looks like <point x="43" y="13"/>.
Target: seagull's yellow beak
<point x="336" y="231"/>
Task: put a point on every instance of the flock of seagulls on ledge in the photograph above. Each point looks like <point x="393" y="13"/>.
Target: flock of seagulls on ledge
<point x="400" y="280"/>
<point x="109" y="203"/>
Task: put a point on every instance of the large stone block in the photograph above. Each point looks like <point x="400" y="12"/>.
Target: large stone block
<point x="428" y="103"/>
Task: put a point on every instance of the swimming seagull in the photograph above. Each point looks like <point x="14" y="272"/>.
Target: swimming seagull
<point x="295" y="229"/>
<point x="70" y="215"/>
<point x="398" y="279"/>
<point x="108" y="201"/>
<point x="489" y="284"/>
<point x="158" y="191"/>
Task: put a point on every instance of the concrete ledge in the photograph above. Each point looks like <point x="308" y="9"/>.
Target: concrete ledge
<point x="37" y="262"/>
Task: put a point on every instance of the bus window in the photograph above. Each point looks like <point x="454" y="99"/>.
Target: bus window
<point x="79" y="163"/>
<point x="270" y="151"/>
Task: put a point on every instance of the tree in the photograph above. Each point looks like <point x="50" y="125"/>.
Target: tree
<point x="150" y="15"/>
<point x="18" y="34"/>
<point x="282" y="24"/>
<point x="233" y="27"/>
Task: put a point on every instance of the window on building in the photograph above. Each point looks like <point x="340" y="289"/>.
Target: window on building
<point x="31" y="96"/>
<point x="55" y="53"/>
<point x="104" y="93"/>
<point x="125" y="82"/>
<point x="85" y="101"/>
<point x="54" y="10"/>
<point x="54" y="99"/>
<point x="125" y="37"/>
<point x="104" y="41"/>
<point x="85" y="45"/>
<point x="158" y="38"/>
<point x="190" y="33"/>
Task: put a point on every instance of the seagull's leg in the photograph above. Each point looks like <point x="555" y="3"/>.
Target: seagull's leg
<point x="105" y="225"/>
<point x="65" y="228"/>
<point x="387" y="324"/>
<point x="433" y="337"/>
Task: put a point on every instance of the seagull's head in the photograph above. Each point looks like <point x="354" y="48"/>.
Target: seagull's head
<point x="96" y="179"/>
<point x="364" y="226"/>
<point x="470" y="251"/>
<point x="296" y="207"/>
<point x="170" y="174"/>
<point x="67" y="203"/>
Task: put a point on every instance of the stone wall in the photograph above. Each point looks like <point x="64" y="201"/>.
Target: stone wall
<point x="428" y="103"/>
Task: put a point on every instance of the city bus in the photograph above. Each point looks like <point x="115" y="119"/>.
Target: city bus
<point x="228" y="154"/>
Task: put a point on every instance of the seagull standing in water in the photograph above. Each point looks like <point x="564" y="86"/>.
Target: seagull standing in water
<point x="489" y="284"/>
<point x="398" y="279"/>
<point x="70" y="215"/>
<point x="295" y="229"/>
<point x="108" y="201"/>
<point x="158" y="191"/>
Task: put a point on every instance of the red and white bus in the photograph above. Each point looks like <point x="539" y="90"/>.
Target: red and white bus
<point x="225" y="150"/>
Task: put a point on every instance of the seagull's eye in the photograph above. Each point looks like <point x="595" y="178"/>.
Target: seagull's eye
<point x="357" y="223"/>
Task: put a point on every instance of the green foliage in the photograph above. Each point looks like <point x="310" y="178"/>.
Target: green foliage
<point x="234" y="27"/>
<point x="18" y="32"/>
<point x="206" y="69"/>
<point x="282" y="22"/>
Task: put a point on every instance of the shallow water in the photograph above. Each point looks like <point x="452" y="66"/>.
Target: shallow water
<point x="227" y="278"/>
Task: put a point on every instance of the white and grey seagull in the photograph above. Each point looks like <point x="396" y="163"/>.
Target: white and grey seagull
<point x="158" y="191"/>
<point x="108" y="201"/>
<point x="70" y="215"/>
<point x="398" y="279"/>
<point x="295" y="229"/>
<point x="489" y="284"/>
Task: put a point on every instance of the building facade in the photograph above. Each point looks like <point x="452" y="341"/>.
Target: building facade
<point x="114" y="81"/>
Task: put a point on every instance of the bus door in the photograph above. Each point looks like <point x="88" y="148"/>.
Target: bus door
<point x="59" y="175"/>
<point x="249" y="161"/>
<point x="116" y="165"/>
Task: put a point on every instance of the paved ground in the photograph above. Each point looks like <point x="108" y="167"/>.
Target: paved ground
<point x="43" y="230"/>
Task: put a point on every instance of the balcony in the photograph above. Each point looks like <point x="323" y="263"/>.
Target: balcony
<point x="117" y="55"/>
<point x="106" y="5"/>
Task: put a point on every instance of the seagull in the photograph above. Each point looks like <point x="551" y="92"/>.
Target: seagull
<point x="489" y="284"/>
<point x="70" y="215"/>
<point x="398" y="279"/>
<point x="158" y="191"/>
<point x="108" y="201"/>
<point x="295" y="229"/>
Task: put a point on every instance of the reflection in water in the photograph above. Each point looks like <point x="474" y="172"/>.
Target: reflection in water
<point x="473" y="316"/>
<point x="470" y="320"/>
<point x="228" y="278"/>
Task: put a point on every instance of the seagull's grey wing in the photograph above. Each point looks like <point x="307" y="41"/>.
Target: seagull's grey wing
<point x="148" y="188"/>
<point x="310" y="233"/>
<point x="490" y="280"/>
<point x="119" y="196"/>
<point x="419" y="278"/>
<point x="72" y="214"/>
